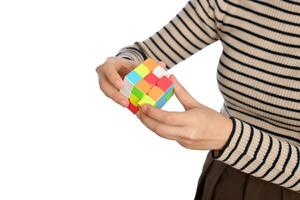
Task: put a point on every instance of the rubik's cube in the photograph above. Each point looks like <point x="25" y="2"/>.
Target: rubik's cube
<point x="148" y="83"/>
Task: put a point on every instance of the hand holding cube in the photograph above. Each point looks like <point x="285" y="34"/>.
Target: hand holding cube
<point x="198" y="127"/>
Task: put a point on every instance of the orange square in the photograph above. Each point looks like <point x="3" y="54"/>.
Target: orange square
<point x="150" y="64"/>
<point x="144" y="86"/>
<point x="155" y="93"/>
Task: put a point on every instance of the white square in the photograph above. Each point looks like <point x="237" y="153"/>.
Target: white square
<point x="125" y="92"/>
<point x="128" y="85"/>
<point x="160" y="72"/>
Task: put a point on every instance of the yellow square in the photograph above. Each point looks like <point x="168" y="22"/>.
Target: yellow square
<point x="142" y="70"/>
<point x="133" y="99"/>
<point x="146" y="100"/>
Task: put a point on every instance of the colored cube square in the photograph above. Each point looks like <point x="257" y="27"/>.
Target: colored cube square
<point x="133" y="99"/>
<point x="159" y="72"/>
<point x="143" y="86"/>
<point x="164" y="83"/>
<point x="150" y="64"/>
<point x="133" y="77"/>
<point x="146" y="100"/>
<point x="128" y="85"/>
<point x="132" y="108"/>
<point x="125" y="92"/>
<point x="169" y="93"/>
<point x="161" y="102"/>
<point x="142" y="70"/>
<point x="151" y="79"/>
<point x="137" y="92"/>
<point x="148" y="83"/>
<point x="155" y="93"/>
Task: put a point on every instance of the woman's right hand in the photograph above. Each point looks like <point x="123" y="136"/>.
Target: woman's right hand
<point x="111" y="74"/>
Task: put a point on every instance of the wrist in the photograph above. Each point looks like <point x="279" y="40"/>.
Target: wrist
<point x="229" y="128"/>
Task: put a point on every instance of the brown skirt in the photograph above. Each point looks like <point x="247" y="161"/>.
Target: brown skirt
<point x="219" y="181"/>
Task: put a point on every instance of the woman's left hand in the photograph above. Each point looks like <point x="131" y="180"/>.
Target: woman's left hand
<point x="198" y="127"/>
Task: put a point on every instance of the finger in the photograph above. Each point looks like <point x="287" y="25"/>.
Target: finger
<point x="123" y="72"/>
<point x="115" y="70"/>
<point x="109" y="70"/>
<point x="183" y="95"/>
<point x="124" y="64"/>
<point x="167" y="117"/>
<point x="163" y="130"/>
<point x="162" y="64"/>
<point x="111" y="92"/>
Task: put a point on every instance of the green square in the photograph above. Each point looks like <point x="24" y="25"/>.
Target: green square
<point x="147" y="100"/>
<point x="169" y="94"/>
<point x="142" y="70"/>
<point x="138" y="93"/>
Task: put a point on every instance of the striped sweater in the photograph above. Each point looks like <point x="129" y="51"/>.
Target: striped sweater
<point x="258" y="76"/>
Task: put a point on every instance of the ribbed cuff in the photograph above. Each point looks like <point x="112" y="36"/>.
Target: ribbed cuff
<point x="132" y="53"/>
<point x="129" y="57"/>
<point x="217" y="153"/>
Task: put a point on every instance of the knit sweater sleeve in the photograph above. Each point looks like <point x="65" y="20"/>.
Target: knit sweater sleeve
<point x="262" y="155"/>
<point x="192" y="29"/>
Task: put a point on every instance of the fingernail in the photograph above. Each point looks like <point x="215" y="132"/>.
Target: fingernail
<point x="144" y="108"/>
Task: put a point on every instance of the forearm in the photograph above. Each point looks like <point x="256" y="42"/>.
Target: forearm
<point x="191" y="30"/>
<point x="262" y="155"/>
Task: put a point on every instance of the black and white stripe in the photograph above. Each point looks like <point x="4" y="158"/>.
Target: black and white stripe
<point x="258" y="76"/>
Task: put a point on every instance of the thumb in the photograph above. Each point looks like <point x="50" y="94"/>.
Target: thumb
<point x="183" y="95"/>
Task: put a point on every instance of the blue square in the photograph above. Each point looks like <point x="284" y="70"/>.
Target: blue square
<point x="133" y="77"/>
<point x="161" y="102"/>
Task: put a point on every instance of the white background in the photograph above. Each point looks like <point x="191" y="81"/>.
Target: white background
<point x="60" y="137"/>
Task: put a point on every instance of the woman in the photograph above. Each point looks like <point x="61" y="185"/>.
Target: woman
<point x="254" y="140"/>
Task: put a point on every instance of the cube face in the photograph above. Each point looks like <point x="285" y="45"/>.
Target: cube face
<point x="148" y="83"/>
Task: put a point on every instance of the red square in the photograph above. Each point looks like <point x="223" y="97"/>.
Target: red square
<point x="164" y="83"/>
<point x="132" y="108"/>
<point x="151" y="79"/>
